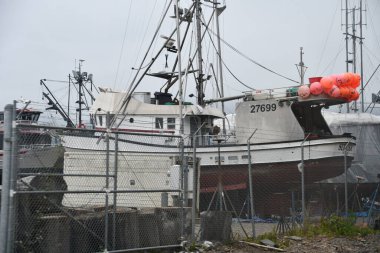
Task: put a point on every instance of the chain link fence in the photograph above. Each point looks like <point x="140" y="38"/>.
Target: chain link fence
<point x="78" y="190"/>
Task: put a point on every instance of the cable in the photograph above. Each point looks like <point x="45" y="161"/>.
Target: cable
<point x="334" y="59"/>
<point x="122" y="45"/>
<point x="224" y="64"/>
<point x="250" y="59"/>
<point x="328" y="35"/>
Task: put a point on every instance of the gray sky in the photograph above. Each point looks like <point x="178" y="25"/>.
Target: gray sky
<point x="42" y="38"/>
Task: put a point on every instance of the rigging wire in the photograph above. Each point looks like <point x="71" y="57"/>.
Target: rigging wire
<point x="155" y="42"/>
<point x="143" y="39"/>
<point x="372" y="26"/>
<point x="122" y="45"/>
<point x="250" y="59"/>
<point x="327" y="38"/>
<point x="124" y="103"/>
<point x="224" y="64"/>
<point x="333" y="61"/>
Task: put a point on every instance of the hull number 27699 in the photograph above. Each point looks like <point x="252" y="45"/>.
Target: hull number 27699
<point x="263" y="108"/>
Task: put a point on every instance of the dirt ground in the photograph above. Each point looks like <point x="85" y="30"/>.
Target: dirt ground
<point x="368" y="244"/>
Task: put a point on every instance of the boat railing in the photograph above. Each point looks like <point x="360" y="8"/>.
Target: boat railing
<point x="215" y="140"/>
<point x="35" y="146"/>
<point x="281" y="92"/>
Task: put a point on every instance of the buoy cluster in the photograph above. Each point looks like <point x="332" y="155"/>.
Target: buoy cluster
<point x="337" y="86"/>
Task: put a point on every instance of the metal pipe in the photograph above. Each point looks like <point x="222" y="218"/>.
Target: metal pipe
<point x="361" y="56"/>
<point x="61" y="175"/>
<point x="116" y="163"/>
<point x="107" y="182"/>
<point x="348" y="106"/>
<point x="251" y="184"/>
<point x="220" y="187"/>
<point x="198" y="14"/>
<point x="12" y="185"/>
<point x="345" y="179"/>
<point x="144" y="249"/>
<point x="6" y="173"/>
<point x="218" y="12"/>
<point x="195" y="185"/>
<point x="224" y="99"/>
<point x="303" y="179"/>
<point x="100" y="191"/>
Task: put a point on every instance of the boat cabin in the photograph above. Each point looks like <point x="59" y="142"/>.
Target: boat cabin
<point x="282" y="117"/>
<point x="152" y="115"/>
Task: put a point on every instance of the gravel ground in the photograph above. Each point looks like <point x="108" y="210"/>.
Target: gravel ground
<point x="368" y="244"/>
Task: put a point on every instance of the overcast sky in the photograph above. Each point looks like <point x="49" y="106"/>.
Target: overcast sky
<point x="42" y="38"/>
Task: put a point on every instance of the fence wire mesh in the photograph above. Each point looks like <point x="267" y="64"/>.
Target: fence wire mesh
<point x="91" y="191"/>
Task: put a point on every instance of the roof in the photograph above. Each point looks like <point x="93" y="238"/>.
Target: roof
<point x="334" y="118"/>
<point x="110" y="101"/>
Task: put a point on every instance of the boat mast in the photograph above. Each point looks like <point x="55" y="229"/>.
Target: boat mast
<point x="218" y="12"/>
<point x="80" y="102"/>
<point x="198" y="11"/>
<point x="301" y="67"/>
<point x="179" y="67"/>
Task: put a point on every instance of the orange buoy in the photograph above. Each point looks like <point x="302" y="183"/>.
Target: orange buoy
<point x="341" y="80"/>
<point x="345" y="92"/>
<point x="355" y="96"/>
<point x="335" y="91"/>
<point x="350" y="78"/>
<point x="356" y="81"/>
<point x="304" y="91"/>
<point x="316" y="88"/>
<point x="327" y="84"/>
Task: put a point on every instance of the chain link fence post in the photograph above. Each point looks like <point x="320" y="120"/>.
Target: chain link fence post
<point x="251" y="185"/>
<point x="6" y="177"/>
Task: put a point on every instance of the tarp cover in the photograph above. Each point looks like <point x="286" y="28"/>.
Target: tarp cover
<point x="366" y="128"/>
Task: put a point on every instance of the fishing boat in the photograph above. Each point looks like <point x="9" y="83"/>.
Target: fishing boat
<point x="37" y="151"/>
<point x="280" y="130"/>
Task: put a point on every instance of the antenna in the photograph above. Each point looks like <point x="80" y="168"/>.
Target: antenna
<point x="351" y="54"/>
<point x="301" y="67"/>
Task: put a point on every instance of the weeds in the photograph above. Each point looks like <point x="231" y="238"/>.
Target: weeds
<point x="333" y="226"/>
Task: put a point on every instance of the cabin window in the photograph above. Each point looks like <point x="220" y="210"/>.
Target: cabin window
<point x="131" y="120"/>
<point x="132" y="182"/>
<point x="221" y="159"/>
<point x="1" y="117"/>
<point x="232" y="158"/>
<point x="244" y="157"/>
<point x="101" y="120"/>
<point x="159" y="123"/>
<point x="171" y="123"/>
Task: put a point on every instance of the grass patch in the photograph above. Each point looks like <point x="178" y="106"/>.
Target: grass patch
<point x="334" y="226"/>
